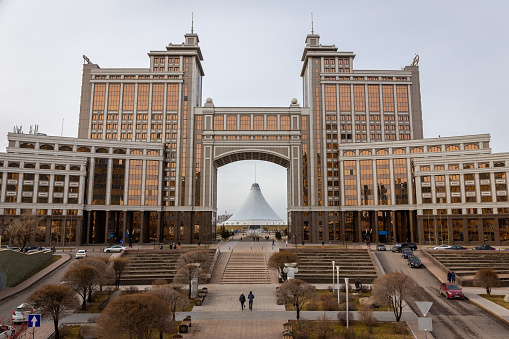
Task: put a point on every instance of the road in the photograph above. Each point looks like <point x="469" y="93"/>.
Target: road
<point x="451" y="318"/>
<point x="8" y="306"/>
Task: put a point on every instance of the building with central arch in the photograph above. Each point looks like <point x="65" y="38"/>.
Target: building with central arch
<point x="145" y="163"/>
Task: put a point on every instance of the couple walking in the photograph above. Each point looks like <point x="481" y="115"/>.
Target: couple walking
<point x="451" y="277"/>
<point x="242" y="300"/>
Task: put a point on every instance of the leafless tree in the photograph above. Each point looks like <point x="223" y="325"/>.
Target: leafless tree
<point x="394" y="290"/>
<point x="175" y="300"/>
<point x="298" y="293"/>
<point x="486" y="278"/>
<point x="22" y="230"/>
<point x="202" y="257"/>
<point x="106" y="273"/>
<point x="277" y="261"/>
<point x="119" y="264"/>
<point x="366" y="316"/>
<point x="82" y="278"/>
<point x="133" y="316"/>
<point x="54" y="302"/>
<point x="186" y="274"/>
<point x="324" y="327"/>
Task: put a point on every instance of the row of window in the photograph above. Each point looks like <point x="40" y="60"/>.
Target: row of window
<point x="448" y="148"/>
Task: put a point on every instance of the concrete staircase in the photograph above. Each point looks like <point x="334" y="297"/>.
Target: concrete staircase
<point x="249" y="267"/>
<point x="316" y="265"/>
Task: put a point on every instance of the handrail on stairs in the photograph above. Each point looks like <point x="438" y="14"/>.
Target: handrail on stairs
<point x="227" y="262"/>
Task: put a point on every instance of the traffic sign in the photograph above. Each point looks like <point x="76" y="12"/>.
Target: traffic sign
<point x="425" y="324"/>
<point x="424" y="306"/>
<point x="121" y="241"/>
<point x="34" y="320"/>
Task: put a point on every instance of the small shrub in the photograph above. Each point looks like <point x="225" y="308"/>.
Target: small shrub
<point x="323" y="327"/>
<point x="312" y="305"/>
<point x="329" y="303"/>
<point x="351" y="306"/>
<point x="159" y="282"/>
<point x="301" y="332"/>
<point x="342" y="296"/>
<point x="366" y="316"/>
<point x="341" y="316"/>
<point x="131" y="290"/>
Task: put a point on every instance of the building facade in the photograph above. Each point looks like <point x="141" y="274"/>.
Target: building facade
<point x="149" y="148"/>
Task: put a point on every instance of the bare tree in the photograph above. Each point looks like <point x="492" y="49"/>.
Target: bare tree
<point x="298" y="293"/>
<point x="323" y="327"/>
<point x="21" y="230"/>
<point x="81" y="278"/>
<point x="119" y="265"/>
<point x="277" y="261"/>
<point x="393" y="289"/>
<point x="175" y="300"/>
<point x="55" y="302"/>
<point x="106" y="274"/>
<point x="201" y="257"/>
<point x="366" y="316"/>
<point x="134" y="316"/>
<point x="186" y="274"/>
<point x="486" y="278"/>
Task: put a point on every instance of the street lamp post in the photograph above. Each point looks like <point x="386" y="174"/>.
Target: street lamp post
<point x="346" y="288"/>
<point x="337" y="279"/>
<point x="333" y="263"/>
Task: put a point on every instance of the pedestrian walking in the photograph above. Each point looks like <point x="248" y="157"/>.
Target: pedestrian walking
<point x="250" y="297"/>
<point x="242" y="300"/>
<point x="453" y="276"/>
<point x="449" y="276"/>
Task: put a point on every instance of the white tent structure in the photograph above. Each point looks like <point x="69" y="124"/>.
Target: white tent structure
<point x="255" y="211"/>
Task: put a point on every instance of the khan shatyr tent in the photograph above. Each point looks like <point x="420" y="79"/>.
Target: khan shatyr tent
<point x="255" y="211"/>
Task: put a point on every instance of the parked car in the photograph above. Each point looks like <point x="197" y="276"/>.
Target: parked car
<point x="114" y="248"/>
<point x="442" y="247"/>
<point x="6" y="331"/>
<point x="398" y="247"/>
<point x="414" y="262"/>
<point x="407" y="253"/>
<point x="30" y="249"/>
<point x="412" y="246"/>
<point x="44" y="249"/>
<point x="5" y="247"/>
<point x="21" y="313"/>
<point x="456" y="247"/>
<point x="451" y="291"/>
<point x="81" y="254"/>
<point x="484" y="248"/>
<point x="381" y="247"/>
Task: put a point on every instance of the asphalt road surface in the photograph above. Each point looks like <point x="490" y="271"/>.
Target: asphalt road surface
<point x="451" y="318"/>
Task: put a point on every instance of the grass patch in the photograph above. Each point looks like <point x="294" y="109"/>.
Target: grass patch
<point x="53" y="259"/>
<point x="99" y="298"/>
<point x="385" y="330"/>
<point x="74" y="332"/>
<point x="497" y="299"/>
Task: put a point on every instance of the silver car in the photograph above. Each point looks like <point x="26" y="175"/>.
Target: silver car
<point x="21" y="313"/>
<point x="114" y="248"/>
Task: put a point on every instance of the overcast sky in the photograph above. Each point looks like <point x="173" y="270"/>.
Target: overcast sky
<point x="252" y="52"/>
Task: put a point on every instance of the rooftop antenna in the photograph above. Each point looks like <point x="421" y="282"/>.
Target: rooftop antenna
<point x="312" y="30"/>
<point x="192" y="22"/>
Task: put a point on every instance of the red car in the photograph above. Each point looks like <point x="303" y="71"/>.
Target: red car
<point x="451" y="291"/>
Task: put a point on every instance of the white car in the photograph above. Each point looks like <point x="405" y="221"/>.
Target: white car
<point x="442" y="247"/>
<point x="6" y="331"/>
<point x="21" y="313"/>
<point x="114" y="248"/>
<point x="81" y="254"/>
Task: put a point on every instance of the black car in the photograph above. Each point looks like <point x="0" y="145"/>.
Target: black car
<point x="483" y="248"/>
<point x="412" y="246"/>
<point x="407" y="253"/>
<point x="30" y="248"/>
<point x="456" y="247"/>
<point x="414" y="262"/>
<point x="399" y="247"/>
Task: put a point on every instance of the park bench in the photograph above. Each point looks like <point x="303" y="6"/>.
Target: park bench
<point x="185" y="324"/>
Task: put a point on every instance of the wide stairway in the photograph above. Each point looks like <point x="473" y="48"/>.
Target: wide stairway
<point x="145" y="267"/>
<point x="249" y="267"/>
<point x="316" y="265"/>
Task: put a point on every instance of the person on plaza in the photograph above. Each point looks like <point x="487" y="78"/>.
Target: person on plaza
<point x="242" y="300"/>
<point x="453" y="276"/>
<point x="250" y="297"/>
<point x="449" y="276"/>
